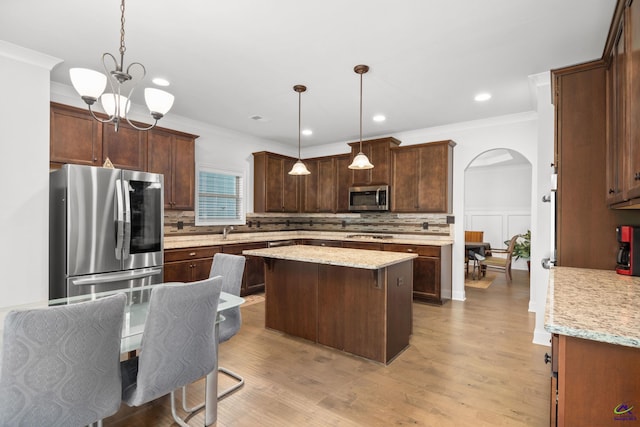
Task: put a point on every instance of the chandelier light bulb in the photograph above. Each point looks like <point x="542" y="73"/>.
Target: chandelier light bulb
<point x="88" y="83"/>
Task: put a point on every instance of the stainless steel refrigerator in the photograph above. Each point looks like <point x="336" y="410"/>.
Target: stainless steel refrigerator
<point x="105" y="230"/>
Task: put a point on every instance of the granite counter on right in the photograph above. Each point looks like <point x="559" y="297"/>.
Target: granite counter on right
<point x="594" y="319"/>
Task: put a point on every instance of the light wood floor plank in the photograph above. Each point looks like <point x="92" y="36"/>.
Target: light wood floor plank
<point x="470" y="363"/>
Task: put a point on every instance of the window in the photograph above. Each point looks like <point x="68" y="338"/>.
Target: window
<point x="219" y="197"/>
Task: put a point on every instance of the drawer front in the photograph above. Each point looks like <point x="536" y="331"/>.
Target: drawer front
<point x="190" y="253"/>
<point x="431" y="251"/>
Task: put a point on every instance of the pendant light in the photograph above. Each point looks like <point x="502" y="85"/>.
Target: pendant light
<point x="91" y="84"/>
<point x="298" y="167"/>
<point x="360" y="161"/>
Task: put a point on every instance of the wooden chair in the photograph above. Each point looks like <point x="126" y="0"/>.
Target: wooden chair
<point x="471" y="236"/>
<point x="497" y="262"/>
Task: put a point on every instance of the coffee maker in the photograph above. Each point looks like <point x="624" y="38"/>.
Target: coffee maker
<point x="628" y="262"/>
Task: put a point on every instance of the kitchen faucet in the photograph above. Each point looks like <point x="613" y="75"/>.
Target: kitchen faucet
<point x="226" y="231"/>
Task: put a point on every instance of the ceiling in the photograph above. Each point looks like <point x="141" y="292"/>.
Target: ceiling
<point x="230" y="60"/>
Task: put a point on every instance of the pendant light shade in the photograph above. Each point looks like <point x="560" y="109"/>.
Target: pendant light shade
<point x="361" y="161"/>
<point x="91" y="84"/>
<point x="298" y="167"/>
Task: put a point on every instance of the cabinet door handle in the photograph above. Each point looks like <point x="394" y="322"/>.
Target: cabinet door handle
<point x="547" y="358"/>
<point x="409" y="250"/>
<point x="611" y="191"/>
<point x="192" y="254"/>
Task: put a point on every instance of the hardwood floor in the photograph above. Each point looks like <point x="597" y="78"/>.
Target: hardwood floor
<point x="470" y="363"/>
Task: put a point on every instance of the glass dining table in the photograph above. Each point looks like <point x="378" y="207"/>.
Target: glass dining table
<point x="133" y="327"/>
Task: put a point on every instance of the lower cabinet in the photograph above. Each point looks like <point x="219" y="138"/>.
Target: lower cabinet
<point x="253" y="278"/>
<point x="593" y="383"/>
<point x="188" y="264"/>
<point x="372" y="246"/>
<point x="431" y="271"/>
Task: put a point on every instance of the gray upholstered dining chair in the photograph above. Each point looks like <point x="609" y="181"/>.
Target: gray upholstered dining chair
<point x="231" y="268"/>
<point x="178" y="343"/>
<point x="61" y="365"/>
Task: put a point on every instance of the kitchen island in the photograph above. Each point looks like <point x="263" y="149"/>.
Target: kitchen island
<point x="354" y="300"/>
<point x="594" y="318"/>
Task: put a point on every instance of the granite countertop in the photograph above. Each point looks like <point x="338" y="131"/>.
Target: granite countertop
<point x="177" y="242"/>
<point x="598" y="305"/>
<point x="358" y="258"/>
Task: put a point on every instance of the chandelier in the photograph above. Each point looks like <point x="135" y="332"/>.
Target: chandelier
<point x="361" y="161"/>
<point x="91" y="84"/>
<point x="298" y="167"/>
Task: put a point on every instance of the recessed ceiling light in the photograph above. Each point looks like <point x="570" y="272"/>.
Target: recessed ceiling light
<point x="379" y="118"/>
<point x="160" y="81"/>
<point x="483" y="97"/>
<point x="307" y="132"/>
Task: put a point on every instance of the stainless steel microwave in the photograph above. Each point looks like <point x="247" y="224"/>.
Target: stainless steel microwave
<point x="369" y="198"/>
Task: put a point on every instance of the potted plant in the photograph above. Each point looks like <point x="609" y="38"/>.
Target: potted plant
<point x="522" y="248"/>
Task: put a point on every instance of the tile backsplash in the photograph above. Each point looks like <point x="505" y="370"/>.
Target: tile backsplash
<point x="183" y="223"/>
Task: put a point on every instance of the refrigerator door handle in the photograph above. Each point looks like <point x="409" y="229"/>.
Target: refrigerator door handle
<point x="127" y="220"/>
<point x="115" y="277"/>
<point x="119" y="219"/>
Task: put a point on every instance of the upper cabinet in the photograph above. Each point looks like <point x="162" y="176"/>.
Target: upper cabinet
<point x="173" y="155"/>
<point x="318" y="189"/>
<point x="274" y="189"/>
<point x="77" y="138"/>
<point x="127" y="148"/>
<point x="379" y="153"/>
<point x="623" y="108"/>
<point x="422" y="177"/>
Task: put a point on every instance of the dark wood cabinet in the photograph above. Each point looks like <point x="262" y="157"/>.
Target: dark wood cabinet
<point x="318" y="189"/>
<point x="76" y="137"/>
<point x="322" y="242"/>
<point x="585" y="226"/>
<point x="631" y="24"/>
<point x="126" y="149"/>
<point x="188" y="264"/>
<point x="343" y="182"/>
<point x="431" y="271"/>
<point x="173" y="155"/>
<point x="371" y="246"/>
<point x="592" y="382"/>
<point x="253" y="278"/>
<point x="422" y="177"/>
<point x="379" y="154"/>
<point x="274" y="189"/>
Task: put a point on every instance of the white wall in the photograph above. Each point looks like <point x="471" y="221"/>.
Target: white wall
<point x="24" y="177"/>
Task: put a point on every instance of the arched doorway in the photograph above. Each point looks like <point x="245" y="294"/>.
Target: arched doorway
<point x="497" y="197"/>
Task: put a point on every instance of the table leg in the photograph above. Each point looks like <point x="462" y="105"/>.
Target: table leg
<point x="211" y="391"/>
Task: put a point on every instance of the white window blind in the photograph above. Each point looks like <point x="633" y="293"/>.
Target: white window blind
<point x="219" y="197"/>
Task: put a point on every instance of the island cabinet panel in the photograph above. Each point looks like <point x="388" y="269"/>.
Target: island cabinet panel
<point x="351" y="311"/>
<point x="253" y="277"/>
<point x="596" y="383"/>
<point x="292" y="288"/>
<point x="188" y="264"/>
<point x="361" y="311"/>
<point x="76" y="137"/>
